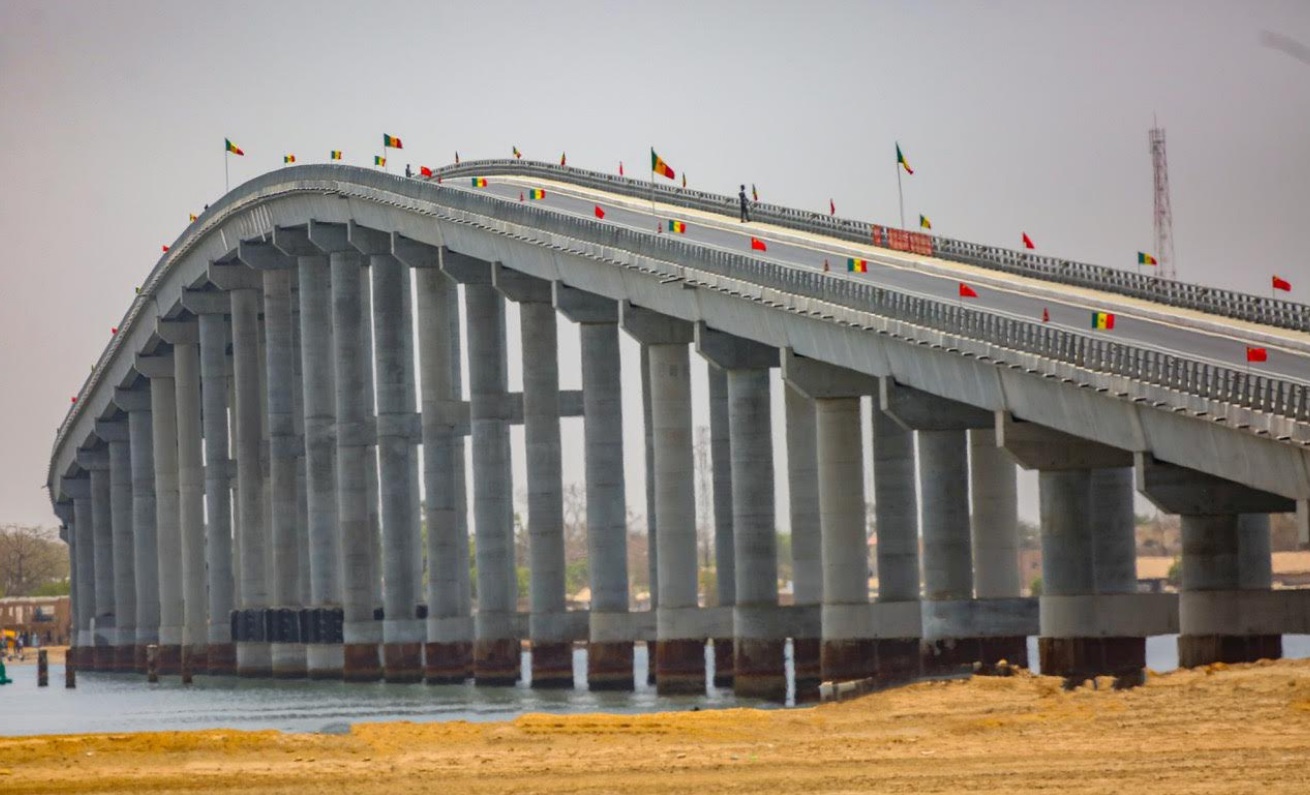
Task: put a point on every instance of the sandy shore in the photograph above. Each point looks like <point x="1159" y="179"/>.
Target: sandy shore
<point x="1236" y="729"/>
<point x="54" y="656"/>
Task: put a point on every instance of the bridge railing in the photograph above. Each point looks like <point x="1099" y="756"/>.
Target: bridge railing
<point x="1237" y="387"/>
<point x="1226" y="303"/>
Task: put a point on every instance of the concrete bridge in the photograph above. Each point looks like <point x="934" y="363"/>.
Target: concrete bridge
<point x="239" y="478"/>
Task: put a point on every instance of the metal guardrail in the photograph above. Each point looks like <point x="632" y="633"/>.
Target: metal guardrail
<point x="1226" y="303"/>
<point x="1094" y="354"/>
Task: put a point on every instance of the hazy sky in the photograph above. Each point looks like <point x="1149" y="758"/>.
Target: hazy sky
<point x="1015" y="116"/>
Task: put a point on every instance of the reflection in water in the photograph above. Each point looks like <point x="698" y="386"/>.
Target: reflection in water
<point x="118" y="703"/>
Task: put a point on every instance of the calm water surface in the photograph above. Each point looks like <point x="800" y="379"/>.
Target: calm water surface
<point x="114" y="703"/>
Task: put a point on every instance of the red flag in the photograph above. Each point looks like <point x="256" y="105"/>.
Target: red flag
<point x="424" y="171"/>
<point x="72" y="399"/>
<point x="599" y="212"/>
<point x="520" y="195"/>
<point x="113" y="330"/>
<point x="1256" y="354"/>
<point x="1027" y="241"/>
<point x="967" y="292"/>
<point x="438" y="179"/>
<point x="165" y="248"/>
<point x="1046" y="315"/>
<point x="832" y="208"/>
<point x="758" y="244"/>
<point x="1282" y="284"/>
<point x="825" y="264"/>
<point x="620" y="168"/>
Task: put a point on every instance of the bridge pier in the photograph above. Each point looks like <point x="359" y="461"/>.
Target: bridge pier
<point x="97" y="463"/>
<point x="83" y="553"/>
<point x="610" y="645"/>
<point x="448" y="650"/>
<point x="403" y="631"/>
<point x="136" y="402"/>
<point x="995" y="524"/>
<point x="899" y="655"/>
<point x="721" y="474"/>
<point x="184" y="336"/>
<point x="680" y="638"/>
<point x="166" y="564"/>
<point x="806" y="541"/>
<point x="115" y="434"/>
<point x="496" y="656"/>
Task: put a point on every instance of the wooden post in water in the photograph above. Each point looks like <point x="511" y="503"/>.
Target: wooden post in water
<point x="42" y="668"/>
<point x="185" y="664"/>
<point x="70" y="670"/>
<point x="152" y="663"/>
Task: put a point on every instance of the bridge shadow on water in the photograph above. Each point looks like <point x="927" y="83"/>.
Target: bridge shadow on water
<point x="125" y="703"/>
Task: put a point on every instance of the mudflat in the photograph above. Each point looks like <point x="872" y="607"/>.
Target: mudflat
<point x="1242" y="728"/>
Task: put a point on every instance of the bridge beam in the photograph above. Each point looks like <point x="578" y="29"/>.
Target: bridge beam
<point x="610" y="647"/>
<point x="679" y="654"/>
<point x="1226" y="558"/>
<point x="168" y="558"/>
<point x="759" y="666"/>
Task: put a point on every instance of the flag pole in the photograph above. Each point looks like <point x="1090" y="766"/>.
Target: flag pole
<point x="900" y="193"/>
<point x="226" y="183"/>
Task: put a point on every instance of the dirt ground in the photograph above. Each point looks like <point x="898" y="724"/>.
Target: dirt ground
<point x="1225" y="729"/>
<point x="54" y="656"/>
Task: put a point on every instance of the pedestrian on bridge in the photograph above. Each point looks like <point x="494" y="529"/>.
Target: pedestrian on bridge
<point x="745" y="206"/>
<point x="408" y="173"/>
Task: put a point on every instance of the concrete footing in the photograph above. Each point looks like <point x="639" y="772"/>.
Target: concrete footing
<point x="679" y="667"/>
<point x="324" y="660"/>
<point x="447" y="663"/>
<point x="220" y="659"/>
<point x="254" y="660"/>
<point x="723" y="662"/>
<point x="124" y="661"/>
<point x="402" y="663"/>
<point x="760" y="669"/>
<point x="846" y="660"/>
<point x="496" y="662"/>
<point x="288" y="660"/>
<point x="947" y="655"/>
<point x="170" y="660"/>
<point x="195" y="657"/>
<point x="359" y="662"/>
<point x="609" y="666"/>
<point x="1080" y="659"/>
<point x="102" y="659"/>
<point x="806" y="668"/>
<point x="139" y="659"/>
<point x="552" y="665"/>
<point x="1194" y="650"/>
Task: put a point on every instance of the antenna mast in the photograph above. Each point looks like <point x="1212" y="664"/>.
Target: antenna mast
<point x="1164" y="216"/>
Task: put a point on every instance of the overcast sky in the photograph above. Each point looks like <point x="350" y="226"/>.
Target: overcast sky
<point x="1016" y="116"/>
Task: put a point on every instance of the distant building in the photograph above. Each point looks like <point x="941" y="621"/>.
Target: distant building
<point x="48" y="617"/>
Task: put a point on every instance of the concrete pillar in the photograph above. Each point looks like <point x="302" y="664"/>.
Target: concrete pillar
<point x="680" y="650"/>
<point x="947" y="548"/>
<point x="105" y="636"/>
<point x="403" y="633"/>
<point x="220" y="651"/>
<point x="721" y="469"/>
<point x="806" y="540"/>
<point x="995" y="526"/>
<point x="67" y="513"/>
<point x="253" y="652"/>
<point x="371" y="498"/>
<point x="609" y="651"/>
<point x="896" y="515"/>
<point x="323" y="650"/>
<point x="652" y="551"/>
<point x="1068" y="570"/>
<point x="121" y="514"/>
<point x="287" y="647"/>
<point x="191" y="503"/>
<point x="145" y="544"/>
<point x="84" y="606"/>
<point x="302" y="488"/>
<point x="361" y="633"/>
<point x="449" y="648"/>
<point x="168" y="561"/>
<point x="552" y="648"/>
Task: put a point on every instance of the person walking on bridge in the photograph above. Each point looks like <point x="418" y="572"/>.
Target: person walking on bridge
<point x="745" y="206"/>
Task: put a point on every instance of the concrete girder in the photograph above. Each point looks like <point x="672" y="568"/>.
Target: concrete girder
<point x="413" y="253"/>
<point x="821" y="381"/>
<point x="368" y="241"/>
<point x="916" y="410"/>
<point x="465" y="269"/>
<point x="652" y="328"/>
<point x="518" y="287"/>
<point x="235" y="277"/>
<point x="157" y="366"/>
<point x="329" y="238"/>
<point x="728" y="352"/>
<point x="206" y="302"/>
<point x="580" y="306"/>
<point x="1037" y="447"/>
<point x="294" y="241"/>
<point x="178" y="332"/>
<point x="111" y="430"/>
<point x="261" y="255"/>
<point x="130" y="400"/>
<point x="1175" y="489"/>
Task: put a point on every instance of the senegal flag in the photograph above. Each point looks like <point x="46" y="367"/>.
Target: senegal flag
<point x="379" y="160"/>
<point x="288" y="158"/>
<point x="391" y="141"/>
<point x="900" y="160"/>
<point x="228" y="146"/>
<point x="857" y="265"/>
<point x="536" y="193"/>
<point x="1102" y="320"/>
<point x="1146" y="259"/>
<point x="517" y="153"/>
<point x="678" y="227"/>
<point x="658" y="165"/>
<point x="479" y="182"/>
<point x="924" y="222"/>
<point x="335" y="154"/>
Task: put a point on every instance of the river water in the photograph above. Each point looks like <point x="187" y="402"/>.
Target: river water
<point x="117" y="703"/>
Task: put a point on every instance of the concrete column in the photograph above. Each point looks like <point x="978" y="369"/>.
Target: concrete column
<point x="806" y="541"/>
<point x="609" y="651"/>
<point x="168" y="562"/>
<point x="361" y="633"/>
<point x="403" y="633"/>
<point x="652" y="551"/>
<point x="220" y="652"/>
<point x="1255" y="569"/>
<point x="449" y="648"/>
<point x="896" y="515"/>
<point x="302" y="488"/>
<point x="323" y="651"/>
<point x="67" y="514"/>
<point x="287" y="647"/>
<point x="105" y="635"/>
<point x="1068" y="570"/>
<point x="947" y="548"/>
<point x="84" y="606"/>
<point x="995" y="525"/>
<point x="191" y="505"/>
<point x="121" y="514"/>
<point x="145" y="544"/>
<point x="371" y="450"/>
<point x="680" y="651"/>
<point x="496" y="648"/>
<point x="253" y="654"/>
<point x="721" y="469"/>
<point x="847" y="652"/>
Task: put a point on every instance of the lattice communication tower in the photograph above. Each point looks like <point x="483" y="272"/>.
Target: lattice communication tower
<point x="1164" y="216"/>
